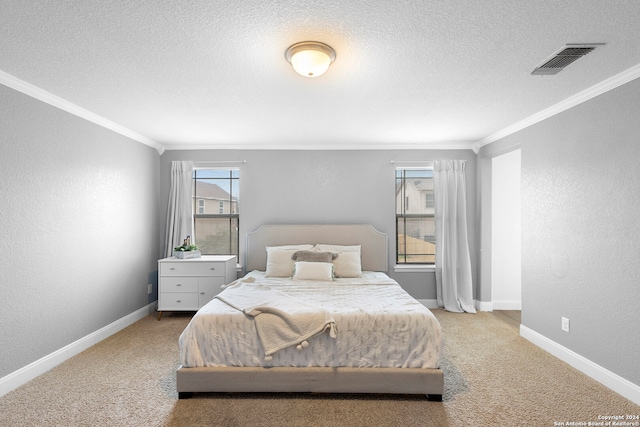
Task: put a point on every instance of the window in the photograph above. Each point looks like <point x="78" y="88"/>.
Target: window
<point x="415" y="225"/>
<point x="216" y="218"/>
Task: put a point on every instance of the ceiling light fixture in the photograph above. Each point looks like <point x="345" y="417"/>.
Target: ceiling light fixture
<point x="310" y="59"/>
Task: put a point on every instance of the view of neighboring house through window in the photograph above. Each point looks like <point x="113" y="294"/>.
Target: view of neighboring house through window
<point x="415" y="225"/>
<point x="216" y="210"/>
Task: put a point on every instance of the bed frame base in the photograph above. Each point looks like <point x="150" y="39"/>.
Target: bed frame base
<point x="188" y="395"/>
<point x="311" y="380"/>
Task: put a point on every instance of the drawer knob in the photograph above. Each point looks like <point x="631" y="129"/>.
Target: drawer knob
<point x="179" y="300"/>
<point x="172" y="268"/>
<point x="212" y="268"/>
<point x="179" y="284"/>
<point x="201" y="293"/>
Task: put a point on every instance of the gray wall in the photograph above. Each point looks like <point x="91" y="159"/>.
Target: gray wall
<point x="298" y="186"/>
<point x="580" y="228"/>
<point x="78" y="231"/>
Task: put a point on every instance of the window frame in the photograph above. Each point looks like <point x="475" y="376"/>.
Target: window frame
<point x="234" y="200"/>
<point x="402" y="202"/>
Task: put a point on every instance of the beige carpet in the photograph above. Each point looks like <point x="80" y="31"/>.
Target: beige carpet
<point x="493" y="377"/>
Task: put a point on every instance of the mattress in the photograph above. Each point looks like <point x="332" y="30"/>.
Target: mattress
<point x="378" y="324"/>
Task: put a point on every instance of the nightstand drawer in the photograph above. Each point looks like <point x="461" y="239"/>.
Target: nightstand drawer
<point x="179" y="284"/>
<point x="185" y="268"/>
<point x="209" y="288"/>
<point x="178" y="301"/>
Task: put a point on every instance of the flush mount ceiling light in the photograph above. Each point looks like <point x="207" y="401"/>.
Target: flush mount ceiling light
<point x="310" y="59"/>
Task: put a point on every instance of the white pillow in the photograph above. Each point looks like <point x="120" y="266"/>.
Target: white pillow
<point x="279" y="262"/>
<point x="306" y="270"/>
<point x="348" y="263"/>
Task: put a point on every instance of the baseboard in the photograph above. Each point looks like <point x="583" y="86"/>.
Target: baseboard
<point x="507" y="305"/>
<point x="484" y="305"/>
<point x="40" y="366"/>
<point x="607" y="378"/>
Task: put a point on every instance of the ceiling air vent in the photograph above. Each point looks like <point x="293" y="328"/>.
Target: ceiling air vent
<point x="565" y="56"/>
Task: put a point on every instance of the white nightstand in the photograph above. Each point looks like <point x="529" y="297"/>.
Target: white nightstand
<point x="188" y="284"/>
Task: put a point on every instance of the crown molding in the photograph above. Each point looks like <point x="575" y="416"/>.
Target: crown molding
<point x="334" y="147"/>
<point x="15" y="83"/>
<point x="598" y="89"/>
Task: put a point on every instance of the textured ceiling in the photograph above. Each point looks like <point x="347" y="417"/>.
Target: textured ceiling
<point x="200" y="73"/>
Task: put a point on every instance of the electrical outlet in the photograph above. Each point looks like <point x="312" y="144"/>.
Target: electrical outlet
<point x="565" y="324"/>
<point x="149" y="289"/>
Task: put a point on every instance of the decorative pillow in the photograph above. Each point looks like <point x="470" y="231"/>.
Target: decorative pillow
<point x="348" y="263"/>
<point x="304" y="270"/>
<point x="279" y="262"/>
<point x="311" y="256"/>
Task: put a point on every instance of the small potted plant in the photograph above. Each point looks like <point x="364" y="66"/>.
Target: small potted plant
<point x="187" y="250"/>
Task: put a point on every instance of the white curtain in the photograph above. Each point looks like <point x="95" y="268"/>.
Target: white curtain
<point x="179" y="215"/>
<point x="453" y="262"/>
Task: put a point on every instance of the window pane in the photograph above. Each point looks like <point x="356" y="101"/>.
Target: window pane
<point x="416" y="195"/>
<point x="416" y="243"/>
<point x="235" y="196"/>
<point x="400" y="240"/>
<point x="217" y="236"/>
<point x="213" y="191"/>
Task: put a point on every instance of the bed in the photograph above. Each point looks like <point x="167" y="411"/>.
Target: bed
<point x="364" y="333"/>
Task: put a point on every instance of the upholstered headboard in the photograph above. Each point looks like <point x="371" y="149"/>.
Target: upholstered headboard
<point x="374" y="250"/>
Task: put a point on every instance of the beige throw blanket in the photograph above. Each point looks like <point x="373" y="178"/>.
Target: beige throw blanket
<point x="281" y="320"/>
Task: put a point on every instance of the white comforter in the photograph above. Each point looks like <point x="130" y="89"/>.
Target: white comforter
<point x="378" y="325"/>
<point x="281" y="321"/>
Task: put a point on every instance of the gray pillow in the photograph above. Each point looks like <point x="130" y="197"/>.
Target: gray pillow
<point x="310" y="256"/>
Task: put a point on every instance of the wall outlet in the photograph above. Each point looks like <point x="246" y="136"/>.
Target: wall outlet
<point x="565" y="324"/>
<point x="149" y="289"/>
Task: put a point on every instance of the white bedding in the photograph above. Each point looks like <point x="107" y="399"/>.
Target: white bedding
<point x="378" y="325"/>
<point x="281" y="321"/>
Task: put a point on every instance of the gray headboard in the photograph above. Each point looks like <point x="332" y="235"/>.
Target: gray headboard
<point x="374" y="250"/>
